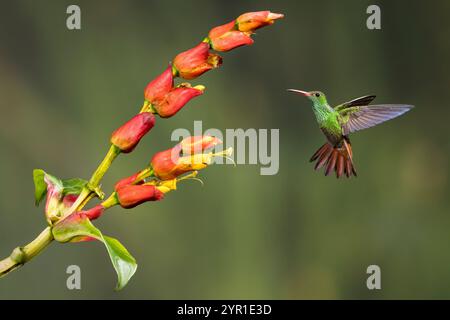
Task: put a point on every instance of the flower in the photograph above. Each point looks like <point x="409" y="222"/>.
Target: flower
<point x="130" y="196"/>
<point x="167" y="100"/>
<point x="194" y="62"/>
<point x="166" y="186"/>
<point x="134" y="179"/>
<point x="160" y="86"/>
<point x="94" y="212"/>
<point x="177" y="99"/>
<point x="128" y="135"/>
<point x="57" y="203"/>
<point x="185" y="157"/>
<point x="250" y="21"/>
<point x="227" y="37"/>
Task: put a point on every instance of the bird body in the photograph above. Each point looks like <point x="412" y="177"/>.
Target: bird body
<point x="338" y="122"/>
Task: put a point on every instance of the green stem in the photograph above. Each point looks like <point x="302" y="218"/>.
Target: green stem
<point x="146" y="173"/>
<point x="21" y="255"/>
<point x="104" y="166"/>
<point x="111" y="201"/>
<point x="92" y="188"/>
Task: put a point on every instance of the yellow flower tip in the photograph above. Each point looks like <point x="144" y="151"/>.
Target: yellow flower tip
<point x="191" y="175"/>
<point x="184" y="85"/>
<point x="167" y="185"/>
<point x="200" y="87"/>
<point x="214" y="60"/>
<point x="163" y="189"/>
<point x="202" y="160"/>
<point x="163" y="185"/>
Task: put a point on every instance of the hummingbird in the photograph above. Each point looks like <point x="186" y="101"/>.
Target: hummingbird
<point x="338" y="122"/>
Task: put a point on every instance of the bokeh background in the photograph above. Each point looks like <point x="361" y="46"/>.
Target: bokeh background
<point x="294" y="235"/>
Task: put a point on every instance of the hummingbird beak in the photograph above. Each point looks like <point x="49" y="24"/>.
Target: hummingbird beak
<point x="305" y="93"/>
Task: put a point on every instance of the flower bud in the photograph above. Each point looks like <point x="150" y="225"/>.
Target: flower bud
<point x="128" y="180"/>
<point x="227" y="37"/>
<point x="176" y="99"/>
<point x="130" y="196"/>
<point x="165" y="100"/>
<point x="194" y="62"/>
<point x="94" y="212"/>
<point x="137" y="178"/>
<point x="159" y="87"/>
<point x="128" y="135"/>
<point x="57" y="203"/>
<point x="250" y="21"/>
<point x="164" y="167"/>
<point x="171" y="163"/>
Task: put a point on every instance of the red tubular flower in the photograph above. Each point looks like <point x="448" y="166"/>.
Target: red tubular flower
<point x="128" y="135"/>
<point x="176" y="99"/>
<point x="194" y="62"/>
<point x="128" y="180"/>
<point x="94" y="212"/>
<point x="164" y="167"/>
<point x="130" y="196"/>
<point x="167" y="100"/>
<point x="173" y="162"/>
<point x="159" y="87"/>
<point x="250" y="21"/>
<point x="227" y="37"/>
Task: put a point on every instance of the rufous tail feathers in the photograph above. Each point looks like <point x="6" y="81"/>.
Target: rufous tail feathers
<point x="335" y="158"/>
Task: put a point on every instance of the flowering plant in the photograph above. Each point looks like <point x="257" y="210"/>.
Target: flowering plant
<point x="67" y="218"/>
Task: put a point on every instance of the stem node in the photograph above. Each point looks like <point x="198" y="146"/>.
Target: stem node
<point x="18" y="255"/>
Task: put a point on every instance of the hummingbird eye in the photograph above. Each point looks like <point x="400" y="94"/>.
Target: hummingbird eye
<point x="317" y="94"/>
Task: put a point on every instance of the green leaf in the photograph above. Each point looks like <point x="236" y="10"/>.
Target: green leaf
<point x="41" y="178"/>
<point x="122" y="260"/>
<point x="73" y="186"/>
<point x="68" y="186"/>
<point x="77" y="226"/>
<point x="40" y="187"/>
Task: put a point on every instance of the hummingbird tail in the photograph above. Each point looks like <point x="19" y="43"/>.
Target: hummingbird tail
<point x="335" y="158"/>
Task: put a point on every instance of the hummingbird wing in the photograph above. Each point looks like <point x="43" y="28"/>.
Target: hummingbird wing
<point x="361" y="101"/>
<point x="362" y="117"/>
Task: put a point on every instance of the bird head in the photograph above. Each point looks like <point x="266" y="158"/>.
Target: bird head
<point x="316" y="97"/>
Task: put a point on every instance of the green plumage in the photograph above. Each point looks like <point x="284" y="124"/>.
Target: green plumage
<point x="338" y="122"/>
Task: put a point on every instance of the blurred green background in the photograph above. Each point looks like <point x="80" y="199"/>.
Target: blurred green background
<point x="294" y="235"/>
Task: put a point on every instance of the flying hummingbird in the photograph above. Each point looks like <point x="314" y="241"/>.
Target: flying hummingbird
<point x="338" y="122"/>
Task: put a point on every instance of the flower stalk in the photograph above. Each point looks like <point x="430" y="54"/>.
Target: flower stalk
<point x="68" y="222"/>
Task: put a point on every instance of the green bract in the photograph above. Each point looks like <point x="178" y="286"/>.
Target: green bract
<point x="77" y="227"/>
<point x="64" y="187"/>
